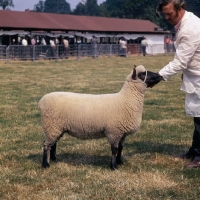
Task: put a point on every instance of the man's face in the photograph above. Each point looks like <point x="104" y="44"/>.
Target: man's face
<point x="171" y="15"/>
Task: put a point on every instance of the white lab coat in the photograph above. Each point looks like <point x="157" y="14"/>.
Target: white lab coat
<point x="187" y="60"/>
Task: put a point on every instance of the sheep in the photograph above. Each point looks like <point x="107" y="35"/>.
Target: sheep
<point x="89" y="116"/>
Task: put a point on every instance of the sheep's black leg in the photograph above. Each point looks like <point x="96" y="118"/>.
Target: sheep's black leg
<point x="46" y="156"/>
<point x="113" y="164"/>
<point x="53" y="152"/>
<point x="119" y="152"/>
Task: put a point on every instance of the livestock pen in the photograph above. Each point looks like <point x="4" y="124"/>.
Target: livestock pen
<point x="79" y="51"/>
<point x="150" y="170"/>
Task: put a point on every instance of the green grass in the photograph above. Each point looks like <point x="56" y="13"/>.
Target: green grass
<point x="82" y="171"/>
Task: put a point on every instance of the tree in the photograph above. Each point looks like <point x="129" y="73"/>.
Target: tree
<point x="39" y="7"/>
<point x="135" y="9"/>
<point x="6" y="3"/>
<point x="53" y="6"/>
<point x="114" y="8"/>
<point x="103" y="11"/>
<point x="80" y="9"/>
<point x="145" y="10"/>
<point x="92" y="8"/>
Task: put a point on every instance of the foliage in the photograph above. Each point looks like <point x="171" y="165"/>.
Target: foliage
<point x="88" y="7"/>
<point x="92" y="8"/>
<point x="135" y="9"/>
<point x="6" y="3"/>
<point x="52" y="6"/>
<point x="103" y="11"/>
<point x="40" y="6"/>
<point x="114" y="7"/>
<point x="80" y="9"/>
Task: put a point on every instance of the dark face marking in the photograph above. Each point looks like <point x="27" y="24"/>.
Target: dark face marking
<point x="151" y="79"/>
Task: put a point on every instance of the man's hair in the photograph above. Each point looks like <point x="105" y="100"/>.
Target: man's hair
<point x="178" y="4"/>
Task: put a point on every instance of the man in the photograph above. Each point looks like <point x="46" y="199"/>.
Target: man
<point x="123" y="46"/>
<point x="187" y="61"/>
<point x="167" y="44"/>
<point x="24" y="48"/>
<point x="78" y="40"/>
<point x="143" y="46"/>
<point x="66" y="46"/>
<point x="53" y="47"/>
<point x="33" y="42"/>
<point x="94" y="42"/>
<point x="24" y="42"/>
<point x="43" y="42"/>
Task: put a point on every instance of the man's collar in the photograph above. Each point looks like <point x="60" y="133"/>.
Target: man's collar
<point x="176" y="27"/>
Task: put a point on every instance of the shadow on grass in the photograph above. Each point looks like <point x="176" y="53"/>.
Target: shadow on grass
<point x="75" y="159"/>
<point x="84" y="159"/>
<point x="155" y="147"/>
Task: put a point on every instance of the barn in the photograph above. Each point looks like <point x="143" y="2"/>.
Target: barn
<point x="16" y="24"/>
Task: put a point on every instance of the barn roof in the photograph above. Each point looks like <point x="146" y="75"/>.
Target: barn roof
<point x="17" y="20"/>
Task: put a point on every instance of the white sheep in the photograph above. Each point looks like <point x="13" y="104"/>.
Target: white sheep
<point x="88" y="116"/>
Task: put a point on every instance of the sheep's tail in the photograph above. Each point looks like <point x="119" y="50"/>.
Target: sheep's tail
<point x="39" y="105"/>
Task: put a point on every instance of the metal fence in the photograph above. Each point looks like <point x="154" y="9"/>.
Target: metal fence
<point x="3" y="53"/>
<point x="19" y="52"/>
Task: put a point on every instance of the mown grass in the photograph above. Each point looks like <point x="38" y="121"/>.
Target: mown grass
<point x="82" y="171"/>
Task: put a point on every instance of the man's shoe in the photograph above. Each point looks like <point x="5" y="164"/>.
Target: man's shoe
<point x="187" y="155"/>
<point x="193" y="164"/>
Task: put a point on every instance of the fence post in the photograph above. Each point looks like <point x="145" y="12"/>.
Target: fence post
<point x="79" y="53"/>
<point x="151" y="50"/>
<point x="33" y="53"/>
<point x="57" y="47"/>
<point x="111" y="50"/>
<point x="7" y="56"/>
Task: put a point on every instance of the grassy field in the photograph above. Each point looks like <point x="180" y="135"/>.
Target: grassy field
<point x="150" y="171"/>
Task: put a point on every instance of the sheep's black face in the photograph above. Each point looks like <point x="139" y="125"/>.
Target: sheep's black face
<point x="150" y="78"/>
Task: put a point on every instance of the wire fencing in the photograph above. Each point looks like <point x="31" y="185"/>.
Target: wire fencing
<point x="29" y="52"/>
<point x="3" y="52"/>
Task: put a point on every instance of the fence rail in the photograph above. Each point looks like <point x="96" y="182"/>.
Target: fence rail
<point x="19" y="52"/>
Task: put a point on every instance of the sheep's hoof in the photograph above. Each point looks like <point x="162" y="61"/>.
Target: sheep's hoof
<point x="45" y="165"/>
<point x="113" y="167"/>
<point x="53" y="158"/>
<point x="119" y="162"/>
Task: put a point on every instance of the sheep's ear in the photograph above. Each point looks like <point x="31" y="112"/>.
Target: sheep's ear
<point x="134" y="73"/>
